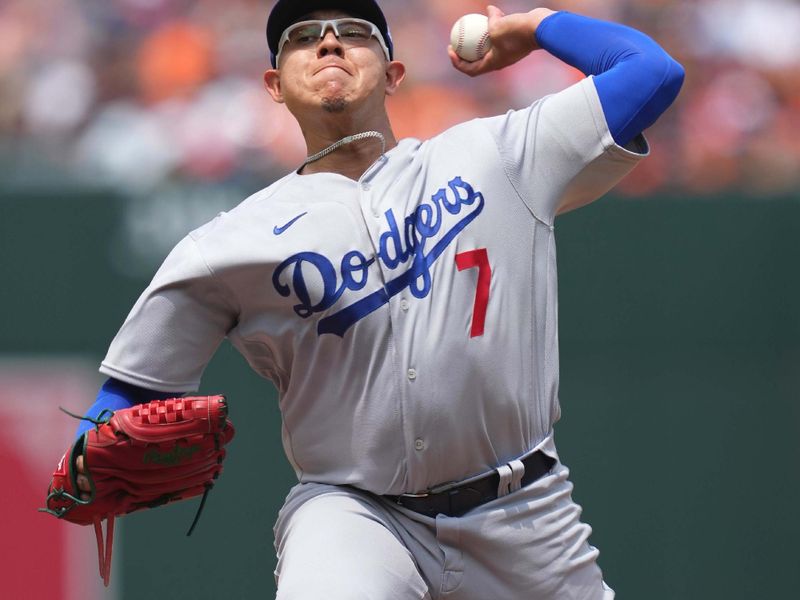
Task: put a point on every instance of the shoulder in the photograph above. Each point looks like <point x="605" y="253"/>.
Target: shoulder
<point x="265" y="200"/>
<point x="458" y="134"/>
<point x="458" y="142"/>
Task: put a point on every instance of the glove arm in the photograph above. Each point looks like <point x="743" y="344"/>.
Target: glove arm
<point x="116" y="395"/>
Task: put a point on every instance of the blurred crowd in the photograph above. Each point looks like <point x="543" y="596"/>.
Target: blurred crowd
<point x="143" y="93"/>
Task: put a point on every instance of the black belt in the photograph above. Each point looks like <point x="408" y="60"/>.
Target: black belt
<point x="461" y="498"/>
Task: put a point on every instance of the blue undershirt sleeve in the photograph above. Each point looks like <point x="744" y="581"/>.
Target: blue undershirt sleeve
<point x="635" y="78"/>
<point x="115" y="395"/>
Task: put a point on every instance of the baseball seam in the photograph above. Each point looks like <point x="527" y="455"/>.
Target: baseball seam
<point x="481" y="44"/>
<point x="461" y="33"/>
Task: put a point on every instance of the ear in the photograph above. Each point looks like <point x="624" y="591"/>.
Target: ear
<point x="395" y="73"/>
<point x="272" y="82"/>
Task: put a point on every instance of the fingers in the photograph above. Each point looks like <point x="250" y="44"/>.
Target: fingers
<point x="494" y="14"/>
<point x="489" y="62"/>
<point x="473" y="69"/>
<point x="455" y="59"/>
<point x="83" y="481"/>
<point x="83" y="485"/>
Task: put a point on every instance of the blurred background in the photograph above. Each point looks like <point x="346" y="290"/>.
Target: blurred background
<point x="144" y="93"/>
<point x="124" y="124"/>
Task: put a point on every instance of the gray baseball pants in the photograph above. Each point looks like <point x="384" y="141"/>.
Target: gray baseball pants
<point x="339" y="543"/>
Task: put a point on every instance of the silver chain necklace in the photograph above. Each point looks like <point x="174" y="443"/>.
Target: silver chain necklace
<point x="347" y="140"/>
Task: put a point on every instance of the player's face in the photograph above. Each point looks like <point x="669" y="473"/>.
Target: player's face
<point x="333" y="73"/>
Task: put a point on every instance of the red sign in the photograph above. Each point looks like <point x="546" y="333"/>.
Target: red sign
<point x="43" y="557"/>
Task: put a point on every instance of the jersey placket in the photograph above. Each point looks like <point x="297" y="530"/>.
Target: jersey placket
<point x="405" y="373"/>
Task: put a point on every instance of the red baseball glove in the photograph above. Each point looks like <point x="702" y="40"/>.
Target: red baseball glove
<point x="141" y="457"/>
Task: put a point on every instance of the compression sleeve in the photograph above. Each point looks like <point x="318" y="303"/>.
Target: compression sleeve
<point x="635" y="78"/>
<point x="115" y="395"/>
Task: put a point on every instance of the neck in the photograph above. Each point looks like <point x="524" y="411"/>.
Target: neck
<point x="350" y="160"/>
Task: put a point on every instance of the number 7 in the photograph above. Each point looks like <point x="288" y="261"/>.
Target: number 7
<point x="469" y="260"/>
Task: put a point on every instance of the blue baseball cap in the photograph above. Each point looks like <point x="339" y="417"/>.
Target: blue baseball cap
<point x="287" y="12"/>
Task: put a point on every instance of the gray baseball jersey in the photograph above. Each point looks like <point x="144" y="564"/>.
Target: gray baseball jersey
<point x="408" y="319"/>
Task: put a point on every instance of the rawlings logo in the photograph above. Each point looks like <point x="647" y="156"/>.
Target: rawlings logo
<point x="171" y="457"/>
<point x="398" y="245"/>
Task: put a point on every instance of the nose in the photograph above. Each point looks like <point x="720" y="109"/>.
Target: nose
<point x="330" y="44"/>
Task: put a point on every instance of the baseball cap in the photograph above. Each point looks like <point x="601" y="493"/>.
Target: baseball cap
<point x="286" y="12"/>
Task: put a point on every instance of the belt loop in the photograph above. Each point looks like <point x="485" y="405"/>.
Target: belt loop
<point x="506" y="475"/>
<point x="518" y="472"/>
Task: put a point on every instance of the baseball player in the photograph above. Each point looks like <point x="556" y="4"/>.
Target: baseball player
<point x="401" y="295"/>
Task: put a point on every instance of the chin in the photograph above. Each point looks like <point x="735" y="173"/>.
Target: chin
<point x="336" y="104"/>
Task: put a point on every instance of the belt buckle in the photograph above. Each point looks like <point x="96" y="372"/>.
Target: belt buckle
<point x="416" y="496"/>
<point x="442" y="487"/>
<point x="457" y="485"/>
<point x="447" y="487"/>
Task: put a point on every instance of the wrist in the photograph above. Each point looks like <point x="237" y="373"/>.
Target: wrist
<point x="536" y="16"/>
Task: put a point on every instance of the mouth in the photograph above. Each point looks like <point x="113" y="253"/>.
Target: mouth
<point x="331" y="65"/>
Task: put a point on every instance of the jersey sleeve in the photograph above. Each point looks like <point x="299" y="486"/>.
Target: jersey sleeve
<point x="559" y="153"/>
<point x="175" y="326"/>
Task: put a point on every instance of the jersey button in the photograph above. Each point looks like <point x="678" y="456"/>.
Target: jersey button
<point x="419" y="445"/>
<point x="365" y="187"/>
<point x="404" y="304"/>
<point x="412" y="374"/>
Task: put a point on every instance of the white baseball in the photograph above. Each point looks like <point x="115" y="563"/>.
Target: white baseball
<point x="470" y="37"/>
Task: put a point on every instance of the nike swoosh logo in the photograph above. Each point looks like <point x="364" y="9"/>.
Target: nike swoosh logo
<point x="281" y="230"/>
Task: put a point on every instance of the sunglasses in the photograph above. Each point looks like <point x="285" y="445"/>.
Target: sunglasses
<point x="349" y="32"/>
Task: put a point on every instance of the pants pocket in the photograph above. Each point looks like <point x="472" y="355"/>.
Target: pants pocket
<point x="448" y="535"/>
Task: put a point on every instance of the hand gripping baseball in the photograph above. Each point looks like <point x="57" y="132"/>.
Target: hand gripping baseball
<point x="512" y="37"/>
<point x="140" y="457"/>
